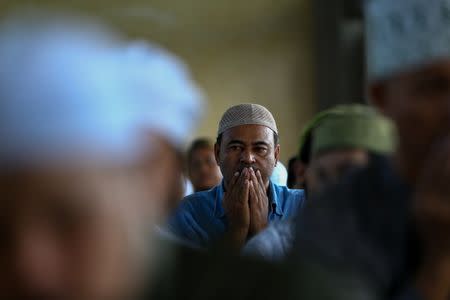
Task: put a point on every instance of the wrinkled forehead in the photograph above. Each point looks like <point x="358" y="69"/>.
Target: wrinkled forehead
<point x="249" y="134"/>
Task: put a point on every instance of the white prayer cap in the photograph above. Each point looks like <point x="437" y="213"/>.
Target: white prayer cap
<point x="279" y="175"/>
<point x="164" y="92"/>
<point x="247" y="114"/>
<point x="405" y="34"/>
<point x="62" y="92"/>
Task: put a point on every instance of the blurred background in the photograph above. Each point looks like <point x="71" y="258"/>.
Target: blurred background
<point x="284" y="54"/>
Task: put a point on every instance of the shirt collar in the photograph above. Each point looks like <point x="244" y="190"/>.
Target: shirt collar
<point x="219" y="212"/>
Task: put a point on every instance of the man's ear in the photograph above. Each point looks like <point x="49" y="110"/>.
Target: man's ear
<point x="377" y="96"/>
<point x="217" y="153"/>
<point x="277" y="153"/>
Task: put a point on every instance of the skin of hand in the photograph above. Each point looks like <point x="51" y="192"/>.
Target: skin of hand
<point x="235" y="202"/>
<point x="259" y="203"/>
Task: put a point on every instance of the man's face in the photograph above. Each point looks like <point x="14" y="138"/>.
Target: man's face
<point x="204" y="172"/>
<point x="247" y="146"/>
<point x="328" y="167"/>
<point x="419" y="104"/>
<point x="75" y="233"/>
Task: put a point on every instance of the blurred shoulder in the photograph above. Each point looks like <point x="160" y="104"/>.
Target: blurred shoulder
<point x="200" y="199"/>
<point x="287" y="192"/>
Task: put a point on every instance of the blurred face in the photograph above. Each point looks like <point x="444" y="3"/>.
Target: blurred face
<point x="79" y="232"/>
<point x="419" y="104"/>
<point x="204" y="172"/>
<point x="247" y="146"/>
<point x="328" y="167"/>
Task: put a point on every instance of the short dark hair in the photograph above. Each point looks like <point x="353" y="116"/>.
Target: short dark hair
<point x="199" y="143"/>
<point x="276" y="138"/>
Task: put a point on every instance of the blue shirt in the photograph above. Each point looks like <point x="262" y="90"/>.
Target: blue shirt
<point x="201" y="218"/>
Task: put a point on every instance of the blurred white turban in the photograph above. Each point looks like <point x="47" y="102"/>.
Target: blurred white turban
<point x="67" y="88"/>
<point x="279" y="175"/>
<point x="170" y="102"/>
<point x="404" y="34"/>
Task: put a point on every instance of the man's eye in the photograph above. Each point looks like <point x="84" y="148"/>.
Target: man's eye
<point x="235" y="148"/>
<point x="261" y="150"/>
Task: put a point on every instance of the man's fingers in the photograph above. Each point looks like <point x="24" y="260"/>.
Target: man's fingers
<point x="259" y="191"/>
<point x="229" y="187"/>
<point x="253" y="196"/>
<point x="238" y="185"/>
<point x="241" y="190"/>
<point x="243" y="176"/>
<point x="262" y="186"/>
<point x="260" y="180"/>
<point x="246" y="191"/>
<point x="253" y="176"/>
<point x="235" y="178"/>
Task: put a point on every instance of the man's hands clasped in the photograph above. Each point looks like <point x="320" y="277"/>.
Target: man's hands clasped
<point x="246" y="205"/>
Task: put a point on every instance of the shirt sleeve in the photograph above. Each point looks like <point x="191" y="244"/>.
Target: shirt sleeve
<point x="183" y="224"/>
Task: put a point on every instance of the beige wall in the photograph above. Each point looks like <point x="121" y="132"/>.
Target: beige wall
<point x="239" y="51"/>
<point x="270" y="63"/>
<point x="274" y="73"/>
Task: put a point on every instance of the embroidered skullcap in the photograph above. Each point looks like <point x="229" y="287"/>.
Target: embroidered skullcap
<point x="405" y="34"/>
<point x="247" y="114"/>
<point x="348" y="126"/>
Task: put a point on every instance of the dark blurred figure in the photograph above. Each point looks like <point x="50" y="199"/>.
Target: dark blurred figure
<point x="389" y="224"/>
<point x="203" y="170"/>
<point x="340" y="140"/>
<point x="335" y="143"/>
<point x="296" y="174"/>
<point x="85" y="169"/>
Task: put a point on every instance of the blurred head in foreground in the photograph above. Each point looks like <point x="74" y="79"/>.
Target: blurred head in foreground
<point x="82" y="157"/>
<point x="340" y="139"/>
<point x="408" y="59"/>
<point x="203" y="170"/>
<point x="171" y="105"/>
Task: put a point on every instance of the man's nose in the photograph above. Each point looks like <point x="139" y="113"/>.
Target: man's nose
<point x="247" y="157"/>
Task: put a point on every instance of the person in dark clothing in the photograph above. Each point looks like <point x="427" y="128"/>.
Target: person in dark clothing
<point x="334" y="143"/>
<point x="389" y="223"/>
<point x="296" y="174"/>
